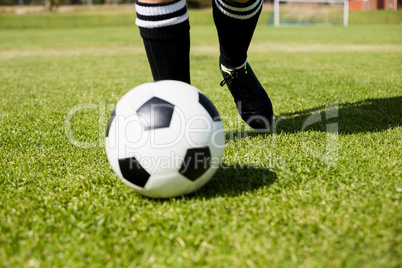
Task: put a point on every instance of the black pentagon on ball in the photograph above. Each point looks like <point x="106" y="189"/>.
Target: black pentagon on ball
<point x="209" y="106"/>
<point x="132" y="171"/>
<point x="155" y="113"/>
<point x="112" y="116"/>
<point x="196" y="162"/>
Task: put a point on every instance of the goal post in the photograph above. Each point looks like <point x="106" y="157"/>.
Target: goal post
<point x="311" y="12"/>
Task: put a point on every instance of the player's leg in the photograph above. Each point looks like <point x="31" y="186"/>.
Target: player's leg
<point x="235" y="21"/>
<point x="164" y="27"/>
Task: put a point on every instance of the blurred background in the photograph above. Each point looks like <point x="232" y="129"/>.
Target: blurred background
<point x="75" y="13"/>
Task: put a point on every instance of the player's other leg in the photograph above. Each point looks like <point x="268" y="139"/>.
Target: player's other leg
<point x="235" y="21"/>
<point x="165" y="30"/>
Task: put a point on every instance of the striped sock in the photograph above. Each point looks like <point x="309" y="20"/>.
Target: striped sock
<point x="235" y="24"/>
<point x="165" y="31"/>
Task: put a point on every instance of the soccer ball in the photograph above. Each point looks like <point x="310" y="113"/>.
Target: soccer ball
<point x="165" y="139"/>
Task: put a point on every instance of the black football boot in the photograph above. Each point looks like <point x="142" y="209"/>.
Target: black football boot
<point x="252" y="102"/>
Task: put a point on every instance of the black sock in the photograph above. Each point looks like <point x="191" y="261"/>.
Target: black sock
<point x="165" y="31"/>
<point x="235" y="24"/>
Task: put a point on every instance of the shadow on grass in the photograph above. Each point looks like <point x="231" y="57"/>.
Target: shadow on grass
<point x="236" y="180"/>
<point x="370" y="115"/>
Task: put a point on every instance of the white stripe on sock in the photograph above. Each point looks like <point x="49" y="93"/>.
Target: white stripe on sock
<point x="161" y="23"/>
<point x="159" y="10"/>
<point x="220" y="3"/>
<point x="240" y="9"/>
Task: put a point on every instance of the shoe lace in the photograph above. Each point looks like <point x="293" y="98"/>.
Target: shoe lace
<point x="227" y="78"/>
<point x="232" y="75"/>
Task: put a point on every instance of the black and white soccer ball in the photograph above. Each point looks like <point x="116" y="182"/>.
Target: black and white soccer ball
<point x="165" y="139"/>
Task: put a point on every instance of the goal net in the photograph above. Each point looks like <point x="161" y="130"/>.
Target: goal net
<point x="310" y="12"/>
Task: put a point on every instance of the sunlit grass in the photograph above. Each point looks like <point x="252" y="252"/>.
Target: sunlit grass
<point x="296" y="197"/>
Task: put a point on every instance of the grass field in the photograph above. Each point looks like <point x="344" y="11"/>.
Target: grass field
<point x="297" y="197"/>
<point x="103" y="15"/>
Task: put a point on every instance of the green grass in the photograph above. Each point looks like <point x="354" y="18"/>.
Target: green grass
<point x="124" y="18"/>
<point x="375" y="17"/>
<point x="62" y="206"/>
<point x="67" y="20"/>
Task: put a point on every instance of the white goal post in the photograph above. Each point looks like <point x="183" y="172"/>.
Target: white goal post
<point x="320" y="5"/>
